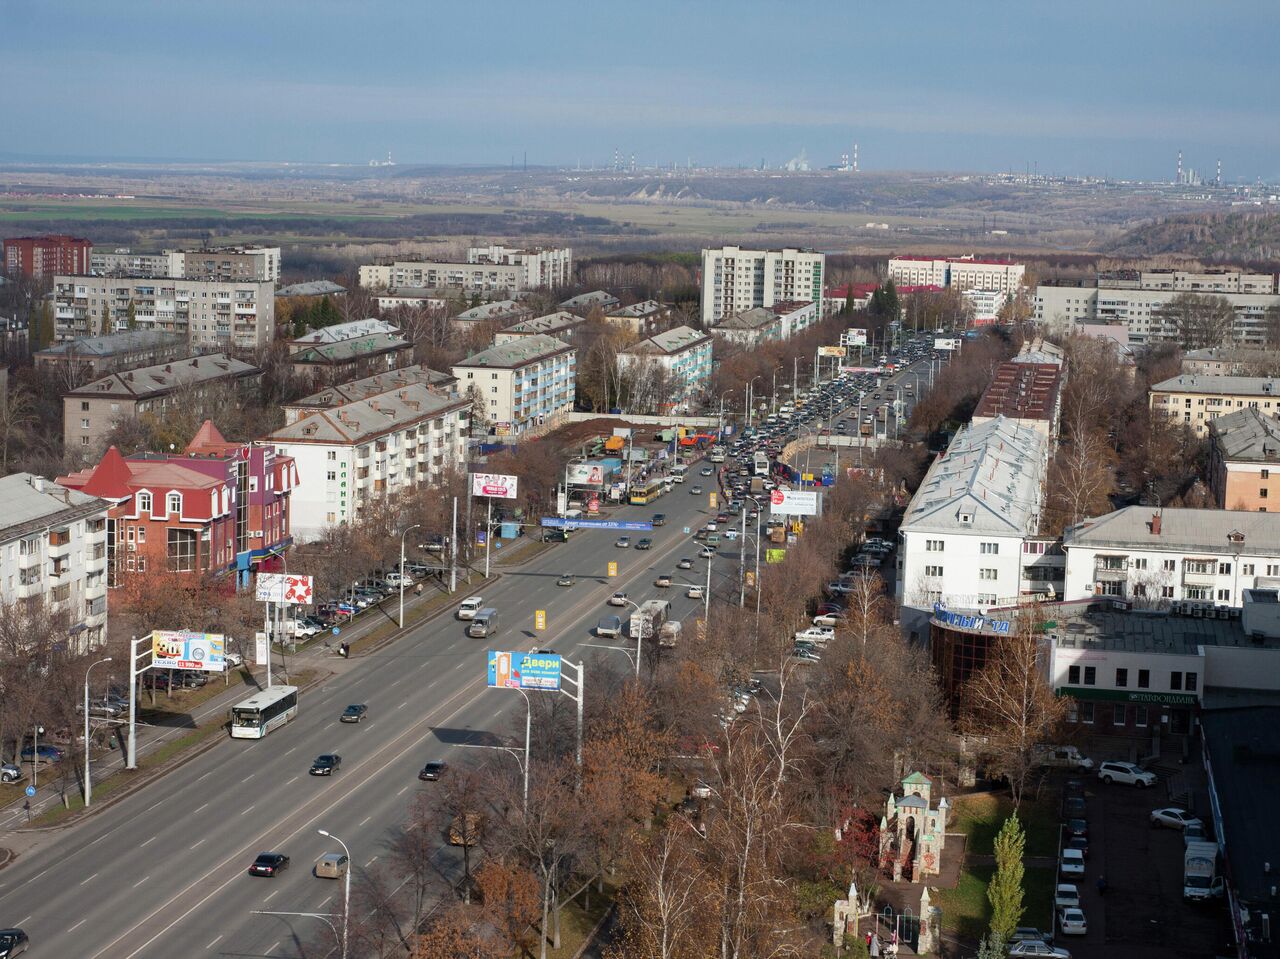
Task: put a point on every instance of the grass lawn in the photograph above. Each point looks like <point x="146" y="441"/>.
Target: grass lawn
<point x="966" y="911"/>
<point x="576" y="923"/>
<point x="980" y="818"/>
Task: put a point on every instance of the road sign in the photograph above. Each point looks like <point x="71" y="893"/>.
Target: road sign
<point x="613" y="568"/>
<point x="687" y="530"/>
<point x="337" y="630"/>
<point x="539" y="619"/>
<point x="31" y="791"/>
<point x="555" y="522"/>
<point x="713" y="501"/>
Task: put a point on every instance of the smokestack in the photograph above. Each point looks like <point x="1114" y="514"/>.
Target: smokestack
<point x="1179" y="167"/>
<point x="1155" y="524"/>
<point x="1217" y="181"/>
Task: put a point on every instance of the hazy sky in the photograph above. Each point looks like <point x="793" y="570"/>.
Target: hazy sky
<point x="1109" y="88"/>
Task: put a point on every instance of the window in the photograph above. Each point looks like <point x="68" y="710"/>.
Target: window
<point x="988" y="574"/>
<point x="1091" y="675"/>
<point x="84" y="408"/>
<point x="84" y="441"/>
<point x="1140" y="563"/>
<point x="1122" y="678"/>
<point x="1266" y="474"/>
<point x="1224" y="595"/>
<point x="84" y="423"/>
<point x="934" y="545"/>
<point x="1199" y="566"/>
<point x="142" y="534"/>
<point x="933" y="570"/>
<point x="144" y="502"/>
<point x="1170" y="565"/>
<point x="331" y="455"/>
<point x="1139" y="590"/>
<point x="1224" y="569"/>
<point x="331" y="475"/>
<point x="174" y="506"/>
<point x="986" y="599"/>
<point x="1086" y="713"/>
<point x="1246" y="569"/>
<point x="1119" y="714"/>
<point x="182" y="550"/>
<point x="1073" y="675"/>
<point x="989" y="549"/>
<point x="1262" y="493"/>
<point x="1190" y="683"/>
<point x="1144" y="679"/>
<point x="1166" y="592"/>
<point x="1175" y="680"/>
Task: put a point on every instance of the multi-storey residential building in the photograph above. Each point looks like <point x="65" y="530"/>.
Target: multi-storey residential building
<point x="340" y="394"/>
<point x="53" y="552"/>
<point x="1197" y="400"/>
<point x="642" y="318"/>
<point x="90" y="357"/>
<point x="562" y="324"/>
<point x="1026" y="393"/>
<point x="521" y="384"/>
<point x="215" y="508"/>
<point x="1156" y="557"/>
<point x="750" y="328"/>
<point x="683" y="357"/>
<point x="352" y="455"/>
<point x="414" y="298"/>
<point x="796" y="315"/>
<point x="40" y="256"/>
<point x="548" y="267"/>
<point x="585" y="303"/>
<point x="89" y="412"/>
<point x="312" y="288"/>
<point x="211" y="314"/>
<point x="837" y="298"/>
<point x="487" y="270"/>
<point x="341" y="331"/>
<point x="1244" y="460"/>
<point x="123" y="261"/>
<point x="1209" y="281"/>
<point x="506" y="312"/>
<point x="1230" y="361"/>
<point x="961" y="542"/>
<point x="735" y="280"/>
<point x="228" y="264"/>
<point x="357" y="356"/>
<point x="961" y="272"/>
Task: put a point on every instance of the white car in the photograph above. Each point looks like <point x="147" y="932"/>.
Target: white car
<point x="830" y="619"/>
<point x="1066" y="896"/>
<point x="694" y="592"/>
<point x="1071" y="922"/>
<point x="233" y="660"/>
<point x="1127" y="773"/>
<point x="1174" y="818"/>
<point x="1038" y="947"/>
<point x="708" y="552"/>
<point x="468" y="608"/>
<point x="1071" y="863"/>
<point x="839" y="589"/>
<point x="817" y="634"/>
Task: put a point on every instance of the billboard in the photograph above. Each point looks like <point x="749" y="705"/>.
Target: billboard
<point x="586" y="474"/>
<point x="831" y="351"/>
<point x="859" y="369"/>
<point x="179" y="649"/>
<point x="493" y="484"/>
<point x="775" y="555"/>
<point x="521" y="670"/>
<point x="946" y="343"/>
<point x="556" y="522"/>
<point x="794" y="502"/>
<point x="283" y="588"/>
<point x="855" y="337"/>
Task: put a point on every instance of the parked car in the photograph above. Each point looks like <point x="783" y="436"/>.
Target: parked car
<point x="326" y="764"/>
<point x="1071" y="922"/>
<point x="47" y="753"/>
<point x="817" y="634"/>
<point x="269" y="864"/>
<point x="1078" y="842"/>
<point x="700" y="790"/>
<point x="1174" y="818"/>
<point x="1127" y="773"/>
<point x="1066" y="896"/>
<point x="1076" y="827"/>
<point x="1071" y="863"/>
<point x="1038" y="948"/>
<point x="830" y="619"/>
<point x="9" y="773"/>
<point x="1073" y="807"/>
<point x="354" y="713"/>
<point x="433" y="770"/>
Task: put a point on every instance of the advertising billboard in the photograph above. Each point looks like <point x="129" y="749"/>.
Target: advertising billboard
<point x="520" y="670"/>
<point x="855" y="337"/>
<point x="831" y="351"/>
<point x="178" y="649"/>
<point x="586" y="474"/>
<point x="794" y="502"/>
<point x="556" y="522"/>
<point x="493" y="484"/>
<point x="775" y="555"/>
<point x="946" y="343"/>
<point x="283" y="588"/>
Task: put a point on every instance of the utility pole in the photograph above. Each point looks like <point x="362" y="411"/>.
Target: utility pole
<point x="88" y="788"/>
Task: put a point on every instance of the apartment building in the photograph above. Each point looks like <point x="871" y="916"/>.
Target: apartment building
<point x="90" y="412"/>
<point x="642" y="319"/>
<point x="735" y="280"/>
<point x="123" y="261"/>
<point x="1207" y="281"/>
<point x="215" y="508"/>
<point x="1157" y="557"/>
<point x="229" y="264"/>
<point x="341" y="394"/>
<point x="750" y="328"/>
<point x="338" y="332"/>
<point x="1244" y="461"/>
<point x="414" y="298"/>
<point x="41" y="256"/>
<point x="584" y="303"/>
<point x="353" y="454"/>
<point x="486" y="270"/>
<point x="506" y="312"/>
<point x="679" y="359"/>
<point x="961" y="542"/>
<point x="1025" y="393"/>
<point x="53" y="551"/>
<point x="357" y="356"/>
<point x="211" y="314"/>
<point x="90" y="357"/>
<point x="1198" y="400"/>
<point x="962" y="272"/>
<point x="562" y="324"/>
<point x="541" y="267"/>
<point x="984" y="305"/>
<point x="1230" y="361"/>
<point x="312" y="288"/>
<point x="520" y="384"/>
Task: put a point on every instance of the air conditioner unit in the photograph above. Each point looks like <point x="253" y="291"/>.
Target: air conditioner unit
<point x="132" y="547"/>
<point x="255" y="532"/>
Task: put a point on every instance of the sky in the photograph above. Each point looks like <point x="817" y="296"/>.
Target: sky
<point x="1085" y="87"/>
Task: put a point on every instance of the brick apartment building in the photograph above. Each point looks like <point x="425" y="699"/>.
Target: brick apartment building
<point x="40" y="256"/>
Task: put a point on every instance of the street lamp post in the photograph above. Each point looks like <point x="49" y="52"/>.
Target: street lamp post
<point x="402" y="536"/>
<point x="346" y="892"/>
<point x="528" y="727"/>
<point x="88" y="788"/>
<point x="751" y="399"/>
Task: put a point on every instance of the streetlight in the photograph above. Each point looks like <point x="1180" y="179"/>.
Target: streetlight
<point x="751" y="399"/>
<point x="346" y="893"/>
<point x="402" y="536"/>
<point x="722" y="396"/>
<point x="88" y="788"/>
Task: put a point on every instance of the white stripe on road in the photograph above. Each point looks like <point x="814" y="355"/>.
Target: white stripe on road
<point x="291" y="749"/>
<point x="403" y="791"/>
<point x="402" y="705"/>
<point x="248" y="777"/>
<point x="214" y="943"/>
<point x="250" y="809"/>
<point x="199" y="842"/>
<point x="205" y="806"/>
<point x="273" y="948"/>
<point x="268" y="899"/>
<point x="83" y="881"/>
<point x="365" y="820"/>
<point x="148" y="842"/>
<point x="293" y="780"/>
<point x="370" y="862"/>
<point x="140" y="881"/>
<point x="78" y="925"/>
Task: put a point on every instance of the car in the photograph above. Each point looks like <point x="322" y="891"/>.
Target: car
<point x="731" y="534"/>
<point x="839" y="589"/>
<point x="695" y="490"/>
<point x="1073" y="807"/>
<point x="711" y="527"/>
<point x="354" y="713"/>
<point x="1076" y="827"/>
<point x="13" y="942"/>
<point x="622" y="542"/>
<point x="659" y="519"/>
<point x="609" y="626"/>
<point x="708" y="552"/>
<point x="232" y="661"/>
<point x="1038" y="948"/>
<point x="1174" y="818"/>
<point x="618" y="599"/>
<point x="1128" y="773"/>
<point x="326" y="764"/>
<point x="1073" y="788"/>
<point x="568" y="579"/>
<point x="48" y="753"/>
<point x="1029" y="934"/>
<point x="269" y="864"/>
<point x="694" y="592"/>
<point x="700" y="789"/>
<point x="332" y="865"/>
<point x="1078" y="842"/>
<point x="685" y="563"/>
<point x="1071" y="922"/>
<point x="9" y="773"/>
<point x="806" y="654"/>
<point x="706" y="471"/>
<point x="663" y="581"/>
<point x="830" y="619"/>
<point x="1071" y="863"/>
<point x="645" y="543"/>
<point x="817" y="634"/>
<point x="433" y="770"/>
<point x="1066" y="896"/>
<point x="722" y="517"/>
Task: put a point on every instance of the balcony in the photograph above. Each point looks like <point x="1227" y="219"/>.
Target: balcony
<point x="1194" y="576"/>
<point x="1111" y="569"/>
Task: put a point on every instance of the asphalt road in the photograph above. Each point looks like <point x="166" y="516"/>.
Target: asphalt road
<point x="163" y="872"/>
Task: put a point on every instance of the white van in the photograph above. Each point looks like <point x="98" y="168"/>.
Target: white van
<point x="678" y="472"/>
<point x="469" y="607"/>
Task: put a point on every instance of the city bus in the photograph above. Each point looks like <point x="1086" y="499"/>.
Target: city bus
<point x="263" y="712"/>
<point x="760" y="464"/>
<point x="651" y="490"/>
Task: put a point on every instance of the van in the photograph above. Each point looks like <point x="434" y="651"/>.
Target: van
<point x="669" y="633"/>
<point x="469" y="607"/>
<point x="713" y="540"/>
<point x="332" y="865"/>
<point x="484" y="623"/>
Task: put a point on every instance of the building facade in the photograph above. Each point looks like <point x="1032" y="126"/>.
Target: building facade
<point x="230" y="264"/>
<point x="358" y="356"/>
<point x="41" y="256"/>
<point x="750" y="328"/>
<point x="984" y="304"/>
<point x="340" y="394"/>
<point x="90" y="357"/>
<point x="520" y="385"/>
<point x="123" y="261"/>
<point x="681" y="358"/>
<point x="1196" y="401"/>
<point x="961" y="272"/>
<point x="735" y="280"/>
<point x="1244" y="461"/>
<point x="487" y="270"/>
<point x="1230" y="361"/>
<point x="211" y="314"/>
<point x="562" y="324"/>
<point x="541" y="267"/>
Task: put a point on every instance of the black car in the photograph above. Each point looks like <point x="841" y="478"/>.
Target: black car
<point x="1073" y="807"/>
<point x="645" y="543"/>
<point x="326" y="765"/>
<point x="354" y="713"/>
<point x="1079" y="842"/>
<point x="433" y="770"/>
<point x="13" y="942"/>
<point x="1076" y="827"/>
<point x="268" y="864"/>
<point x="659" y="519"/>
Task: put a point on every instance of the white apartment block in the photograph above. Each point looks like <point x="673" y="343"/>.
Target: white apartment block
<point x="521" y="383"/>
<point x="961" y="542"/>
<point x="1155" y="557"/>
<point x="543" y="266"/>
<point x="962" y="272"/>
<point x="211" y="314"/>
<point x="53" y="548"/>
<point x="487" y="270"/>
<point x="986" y="304"/>
<point x="232" y="263"/>
<point x="1210" y="281"/>
<point x="682" y="354"/>
<point x="735" y="280"/>
<point x="355" y="453"/>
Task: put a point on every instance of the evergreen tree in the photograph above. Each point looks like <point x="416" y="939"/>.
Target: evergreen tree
<point x="105" y="329"/>
<point x="991" y="947"/>
<point x="132" y="321"/>
<point x="42" y="323"/>
<point x="892" y="305"/>
<point x="1005" y="889"/>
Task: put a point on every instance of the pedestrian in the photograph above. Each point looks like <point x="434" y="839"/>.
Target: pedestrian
<point x="868" y="938"/>
<point x="1102" y="885"/>
<point x="874" y="948"/>
<point x="417" y="590"/>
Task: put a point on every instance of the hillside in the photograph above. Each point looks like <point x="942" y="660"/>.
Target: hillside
<point x="1243" y="238"/>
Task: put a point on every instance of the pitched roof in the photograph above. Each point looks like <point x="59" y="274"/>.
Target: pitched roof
<point x="753" y="319"/>
<point x="675" y="340"/>
<point x="637" y="311"/>
<point x="599" y="298"/>
<point x="311" y="288"/>
<point x="515" y="353"/>
<point x="166" y="377"/>
<point x="1022" y="390"/>
<point x="368" y="418"/>
<point x="551" y="323"/>
<point x="110" y="478"/>
<point x="1185" y="530"/>
<point x="28" y="509"/>
<point x="348" y="349"/>
<point x="345" y="331"/>
<point x="116" y="343"/>
<point x="206" y="436"/>
<point x="1247" y="435"/>
<point x="492" y="311"/>
<point x="373" y="385"/>
<point x="1220" y="385"/>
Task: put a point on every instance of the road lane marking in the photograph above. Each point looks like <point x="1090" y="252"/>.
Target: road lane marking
<point x="272" y="948"/>
<point x="291" y="749"/>
<point x="268" y="899"/>
<point x="214" y="942"/>
<point x="250" y="809"/>
<point x="206" y="775"/>
<point x="363" y="821"/>
<point x="140" y="881"/>
<point x="402" y="705"/>
<point x="403" y="791"/>
<point x="83" y="881"/>
<point x="23" y="922"/>
<point x="199" y="842"/>
<point x="147" y="843"/>
<point x="370" y="862"/>
<point x="39" y="874"/>
<point x="78" y="924"/>
<point x="205" y="806"/>
<point x="293" y="780"/>
<point x="248" y="777"/>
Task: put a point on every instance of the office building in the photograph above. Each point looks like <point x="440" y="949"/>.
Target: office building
<point x="41" y="256"/>
<point x="1244" y="461"/>
<point x="1196" y="401"/>
<point x="53" y="551"/>
<point x="522" y="385"/>
<point x="735" y="280"/>
<point x="91" y="357"/>
<point x="961" y="272"/>
<point x="675" y="365"/>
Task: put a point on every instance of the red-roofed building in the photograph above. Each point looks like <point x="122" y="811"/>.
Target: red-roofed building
<point x="217" y="507"/>
<point x="1029" y="394"/>
<point x="835" y="298"/>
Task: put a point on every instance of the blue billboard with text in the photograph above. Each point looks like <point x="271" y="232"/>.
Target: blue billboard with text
<point x="519" y="670"/>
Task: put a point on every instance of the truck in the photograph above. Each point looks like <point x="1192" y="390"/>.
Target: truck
<point x="669" y="634"/>
<point x="1200" y="879"/>
<point x="648" y="619"/>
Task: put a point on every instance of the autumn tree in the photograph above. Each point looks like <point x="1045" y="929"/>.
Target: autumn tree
<point x="663" y="911"/>
<point x="17" y="417"/>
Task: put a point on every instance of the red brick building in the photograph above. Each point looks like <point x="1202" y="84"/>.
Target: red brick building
<point x="38" y="256"/>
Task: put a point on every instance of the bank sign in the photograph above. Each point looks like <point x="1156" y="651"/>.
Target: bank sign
<point x="967" y="621"/>
<point x="520" y="670"/>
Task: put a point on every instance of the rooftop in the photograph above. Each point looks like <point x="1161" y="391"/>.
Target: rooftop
<point x="755" y="318"/>
<point x="33" y="503"/>
<point x="116" y="343"/>
<point x="499" y="309"/>
<point x="991" y="473"/>
<point x="1101" y="625"/>
<point x="585" y="301"/>
<point x="166" y="377"/>
<point x="312" y="288"/>
<point x="369" y="418"/>
<point x="1022" y="391"/>
<point x="675" y="340"/>
<point x="1247" y="435"/>
<point x="517" y="353"/>
<point x="637" y="311"/>
<point x="556" y="322"/>
<point x="1039" y="350"/>
<point x="345" y="331"/>
<point x="955" y="259"/>
<point x="1216" y="532"/>
<point x="373" y="385"/>
<point x="1220" y="385"/>
<point x="116" y="478"/>
<point x="350" y="348"/>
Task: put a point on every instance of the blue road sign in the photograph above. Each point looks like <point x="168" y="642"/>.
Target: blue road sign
<point x="686" y="531"/>
<point x="555" y="522"/>
<point x="336" y="630"/>
<point x="31" y="791"/>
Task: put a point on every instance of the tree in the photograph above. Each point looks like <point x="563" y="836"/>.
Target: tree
<point x="1198" y="321"/>
<point x="131" y="320"/>
<point x="663" y="913"/>
<point x="17" y="415"/>
<point x="1004" y="892"/>
<point x="43" y="326"/>
<point x="1271" y="328"/>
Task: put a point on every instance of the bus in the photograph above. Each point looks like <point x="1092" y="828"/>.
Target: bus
<point x="263" y="712"/>
<point x="651" y="490"/>
<point x="760" y="464"/>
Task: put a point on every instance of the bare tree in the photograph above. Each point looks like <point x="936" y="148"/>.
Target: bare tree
<point x="1197" y="320"/>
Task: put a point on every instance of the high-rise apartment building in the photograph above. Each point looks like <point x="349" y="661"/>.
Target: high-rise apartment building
<point x="735" y="280"/>
<point x="260" y="263"/>
<point x="488" y="269"/>
<point x="542" y="266"/>
<point x="40" y="256"/>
